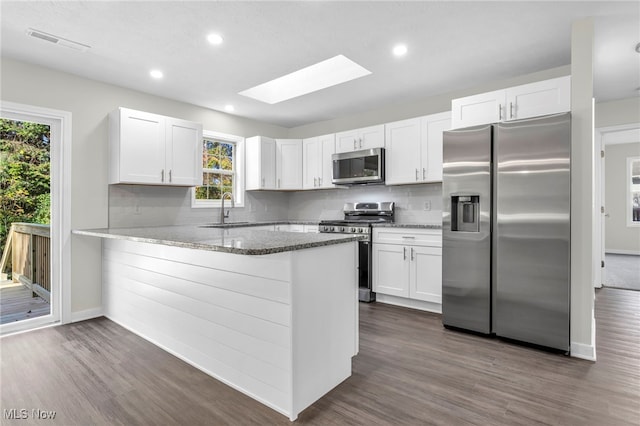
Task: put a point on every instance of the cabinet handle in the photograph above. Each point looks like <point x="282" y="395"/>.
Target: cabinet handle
<point x="360" y="142"/>
<point x="424" y="171"/>
<point x="409" y="237"/>
<point x="412" y="254"/>
<point x="355" y="144"/>
<point x="404" y="253"/>
<point x="162" y="176"/>
<point x="315" y="182"/>
<point x="170" y="178"/>
<point x="278" y="182"/>
<point x="416" y="174"/>
<point x="499" y="112"/>
<point x="263" y="182"/>
<point x="510" y="109"/>
<point x="319" y="181"/>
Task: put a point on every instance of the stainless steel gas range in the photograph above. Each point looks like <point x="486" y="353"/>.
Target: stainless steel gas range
<point x="358" y="219"/>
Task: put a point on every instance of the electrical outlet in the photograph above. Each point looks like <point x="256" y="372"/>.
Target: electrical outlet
<point x="427" y="205"/>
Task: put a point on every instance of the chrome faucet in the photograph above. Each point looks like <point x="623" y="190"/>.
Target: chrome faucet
<point x="233" y="204"/>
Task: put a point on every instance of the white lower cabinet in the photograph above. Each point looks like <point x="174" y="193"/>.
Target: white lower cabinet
<point x="407" y="263"/>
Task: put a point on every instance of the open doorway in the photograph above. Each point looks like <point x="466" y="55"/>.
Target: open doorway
<point x="59" y="235"/>
<point x="25" y="218"/>
<point x="618" y="174"/>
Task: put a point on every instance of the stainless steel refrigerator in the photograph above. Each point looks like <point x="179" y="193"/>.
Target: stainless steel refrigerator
<point x="506" y="229"/>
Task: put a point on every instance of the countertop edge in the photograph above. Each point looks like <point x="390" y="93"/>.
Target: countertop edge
<point x="218" y="248"/>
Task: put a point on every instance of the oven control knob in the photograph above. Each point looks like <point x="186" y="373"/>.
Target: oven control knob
<point x="341" y="229"/>
<point x="360" y="230"/>
<point x="353" y="230"/>
<point x="333" y="229"/>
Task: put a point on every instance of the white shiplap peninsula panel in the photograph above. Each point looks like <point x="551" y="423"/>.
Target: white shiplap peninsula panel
<point x="281" y="328"/>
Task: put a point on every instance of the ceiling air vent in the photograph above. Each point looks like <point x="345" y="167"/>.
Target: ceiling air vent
<point x="57" y="40"/>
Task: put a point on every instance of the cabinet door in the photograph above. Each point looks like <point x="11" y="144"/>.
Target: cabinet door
<point x="426" y="273"/>
<point x="402" y="155"/>
<point x="310" y="163"/>
<point x="347" y="141"/>
<point x="540" y="98"/>
<point x="267" y="163"/>
<point x="260" y="163"/>
<point x="431" y="149"/>
<point x="288" y="164"/>
<point x="371" y="137"/>
<point x="473" y="110"/>
<point x="391" y="269"/>
<point x="183" y="153"/>
<point x="327" y="147"/>
<point x="141" y="147"/>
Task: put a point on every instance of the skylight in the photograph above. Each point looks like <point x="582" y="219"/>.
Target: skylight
<point x="330" y="72"/>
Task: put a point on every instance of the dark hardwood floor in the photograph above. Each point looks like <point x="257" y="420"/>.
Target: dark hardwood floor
<point x="410" y="371"/>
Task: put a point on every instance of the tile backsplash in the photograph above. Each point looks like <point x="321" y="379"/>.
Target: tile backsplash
<point x="141" y="205"/>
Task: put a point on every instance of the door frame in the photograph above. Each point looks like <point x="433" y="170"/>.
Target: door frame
<point x="611" y="135"/>
<point x="60" y="152"/>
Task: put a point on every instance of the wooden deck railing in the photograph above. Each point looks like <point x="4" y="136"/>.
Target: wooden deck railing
<point x="29" y="246"/>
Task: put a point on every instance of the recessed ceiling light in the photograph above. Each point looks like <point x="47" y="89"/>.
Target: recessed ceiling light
<point x="400" y="49"/>
<point x="156" y="74"/>
<point x="229" y="108"/>
<point x="214" y="38"/>
<point x="331" y="72"/>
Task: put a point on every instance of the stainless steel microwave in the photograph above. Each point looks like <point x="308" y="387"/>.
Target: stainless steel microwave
<point x="358" y="167"/>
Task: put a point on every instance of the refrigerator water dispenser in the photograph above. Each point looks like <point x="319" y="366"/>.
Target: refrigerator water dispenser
<point x="465" y="212"/>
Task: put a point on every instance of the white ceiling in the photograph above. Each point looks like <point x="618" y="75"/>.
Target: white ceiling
<point x="452" y="45"/>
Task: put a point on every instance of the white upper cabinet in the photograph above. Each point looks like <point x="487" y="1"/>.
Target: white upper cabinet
<point x="541" y="98"/>
<point x="365" y="138"/>
<point x="260" y="163"/>
<point x="473" y="110"/>
<point x="402" y="154"/>
<point x="525" y="101"/>
<point x="316" y="161"/>
<point x="414" y="149"/>
<point x="432" y="128"/>
<point x="288" y="164"/>
<point x="153" y="149"/>
<point x="183" y="156"/>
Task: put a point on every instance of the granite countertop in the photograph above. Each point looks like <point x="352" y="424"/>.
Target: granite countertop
<point x="408" y="225"/>
<point x="238" y="240"/>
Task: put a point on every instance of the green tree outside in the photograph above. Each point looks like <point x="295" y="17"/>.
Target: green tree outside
<point x="24" y="174"/>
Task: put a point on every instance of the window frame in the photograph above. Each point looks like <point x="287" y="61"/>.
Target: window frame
<point x="630" y="190"/>
<point x="238" y="176"/>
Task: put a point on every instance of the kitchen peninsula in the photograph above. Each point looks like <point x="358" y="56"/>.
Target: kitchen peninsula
<point x="272" y="314"/>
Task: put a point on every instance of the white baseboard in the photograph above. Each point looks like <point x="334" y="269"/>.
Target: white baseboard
<point x="615" y="251"/>
<point x="409" y="303"/>
<point x="86" y="314"/>
<point x="582" y="351"/>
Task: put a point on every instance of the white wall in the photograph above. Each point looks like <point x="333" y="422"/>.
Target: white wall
<point x="582" y="196"/>
<point x="618" y="236"/>
<point x="430" y="105"/>
<point x="89" y="102"/>
<point x="616" y="113"/>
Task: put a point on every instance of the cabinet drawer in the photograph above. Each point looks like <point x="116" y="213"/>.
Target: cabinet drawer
<point x="408" y="236"/>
